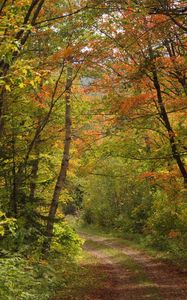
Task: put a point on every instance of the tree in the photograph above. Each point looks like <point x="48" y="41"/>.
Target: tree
<point x="65" y="159"/>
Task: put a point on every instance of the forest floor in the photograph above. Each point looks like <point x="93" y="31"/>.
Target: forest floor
<point x="110" y="270"/>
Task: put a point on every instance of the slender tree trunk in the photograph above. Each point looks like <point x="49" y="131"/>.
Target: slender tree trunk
<point x="13" y="196"/>
<point x="22" y="37"/>
<point x="34" y="174"/>
<point x="171" y="134"/>
<point x="2" y="6"/>
<point x="2" y="93"/>
<point x="64" y="164"/>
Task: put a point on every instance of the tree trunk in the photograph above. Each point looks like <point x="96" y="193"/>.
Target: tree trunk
<point x="34" y="173"/>
<point x="64" y="165"/>
<point x="2" y="93"/>
<point x="13" y="196"/>
<point x="171" y="134"/>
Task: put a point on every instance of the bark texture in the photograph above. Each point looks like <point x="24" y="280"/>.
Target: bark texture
<point x="64" y="164"/>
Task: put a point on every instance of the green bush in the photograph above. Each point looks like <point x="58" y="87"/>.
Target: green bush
<point x="30" y="277"/>
<point x="66" y="242"/>
<point x="24" y="280"/>
<point x="167" y="226"/>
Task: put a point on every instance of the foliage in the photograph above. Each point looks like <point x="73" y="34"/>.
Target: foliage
<point x="6" y="224"/>
<point x="115" y="205"/>
<point x="65" y="241"/>
<point x="30" y="279"/>
<point x="35" y="277"/>
<point x="167" y="226"/>
<point x="122" y="111"/>
<point x="23" y="280"/>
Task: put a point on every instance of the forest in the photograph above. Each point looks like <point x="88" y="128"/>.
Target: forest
<point x="93" y="146"/>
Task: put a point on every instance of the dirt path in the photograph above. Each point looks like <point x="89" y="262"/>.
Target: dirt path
<point x="157" y="280"/>
<point x="119" y="282"/>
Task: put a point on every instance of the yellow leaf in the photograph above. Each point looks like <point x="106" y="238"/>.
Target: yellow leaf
<point x="2" y="231"/>
<point x="37" y="79"/>
<point x="21" y="85"/>
<point x="7" y="87"/>
<point x="32" y="83"/>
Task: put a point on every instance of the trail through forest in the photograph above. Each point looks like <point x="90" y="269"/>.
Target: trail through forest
<point x="93" y="119"/>
<point x="132" y="274"/>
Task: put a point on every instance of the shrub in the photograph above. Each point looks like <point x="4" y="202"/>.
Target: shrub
<point x="24" y="280"/>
